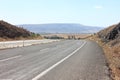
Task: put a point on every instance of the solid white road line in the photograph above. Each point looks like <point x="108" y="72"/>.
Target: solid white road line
<point x="50" y="68"/>
<point x="10" y="58"/>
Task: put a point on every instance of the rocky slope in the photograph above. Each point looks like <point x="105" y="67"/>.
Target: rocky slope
<point x="111" y="33"/>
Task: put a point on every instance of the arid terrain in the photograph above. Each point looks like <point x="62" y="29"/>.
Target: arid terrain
<point x="109" y="39"/>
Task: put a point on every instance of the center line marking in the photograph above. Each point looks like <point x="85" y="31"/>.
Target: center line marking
<point x="56" y="64"/>
<point x="10" y="58"/>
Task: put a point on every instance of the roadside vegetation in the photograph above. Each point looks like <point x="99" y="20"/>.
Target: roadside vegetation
<point x="66" y="36"/>
<point x="109" y="39"/>
<point x="53" y="37"/>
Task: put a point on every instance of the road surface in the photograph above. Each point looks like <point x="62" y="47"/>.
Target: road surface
<point x="63" y="60"/>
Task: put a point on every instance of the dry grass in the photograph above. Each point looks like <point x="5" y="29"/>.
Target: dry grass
<point x="115" y="62"/>
<point x="81" y="36"/>
<point x="112" y="54"/>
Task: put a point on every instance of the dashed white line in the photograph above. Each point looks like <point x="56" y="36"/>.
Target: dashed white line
<point x="10" y="58"/>
<point x="50" y="68"/>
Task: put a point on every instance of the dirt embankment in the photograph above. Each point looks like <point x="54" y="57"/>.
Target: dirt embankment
<point x="12" y="32"/>
<point x="109" y="39"/>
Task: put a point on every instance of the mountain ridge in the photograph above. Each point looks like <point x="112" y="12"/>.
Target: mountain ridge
<point x="61" y="28"/>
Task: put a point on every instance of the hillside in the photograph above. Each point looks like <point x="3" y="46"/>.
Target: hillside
<point x="110" y="34"/>
<point x="8" y="30"/>
<point x="61" y="28"/>
<point x="109" y="39"/>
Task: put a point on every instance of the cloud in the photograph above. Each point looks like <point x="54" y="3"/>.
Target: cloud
<point x="98" y="7"/>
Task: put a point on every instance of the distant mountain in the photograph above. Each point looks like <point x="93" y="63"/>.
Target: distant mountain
<point x="60" y="28"/>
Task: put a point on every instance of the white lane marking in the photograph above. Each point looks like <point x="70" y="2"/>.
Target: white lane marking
<point x="50" y="68"/>
<point x="10" y="58"/>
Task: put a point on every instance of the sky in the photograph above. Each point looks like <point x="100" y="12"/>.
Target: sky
<point x="87" y="12"/>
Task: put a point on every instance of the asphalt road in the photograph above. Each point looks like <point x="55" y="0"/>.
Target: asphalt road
<point x="63" y="60"/>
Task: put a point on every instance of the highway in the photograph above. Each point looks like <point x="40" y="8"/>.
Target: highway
<point x="62" y="60"/>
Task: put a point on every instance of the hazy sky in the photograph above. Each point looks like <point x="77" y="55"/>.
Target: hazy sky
<point x="87" y="12"/>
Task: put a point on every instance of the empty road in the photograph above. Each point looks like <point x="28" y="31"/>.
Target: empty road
<point x="62" y="60"/>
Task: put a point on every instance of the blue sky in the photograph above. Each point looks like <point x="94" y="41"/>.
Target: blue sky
<point x="88" y="12"/>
